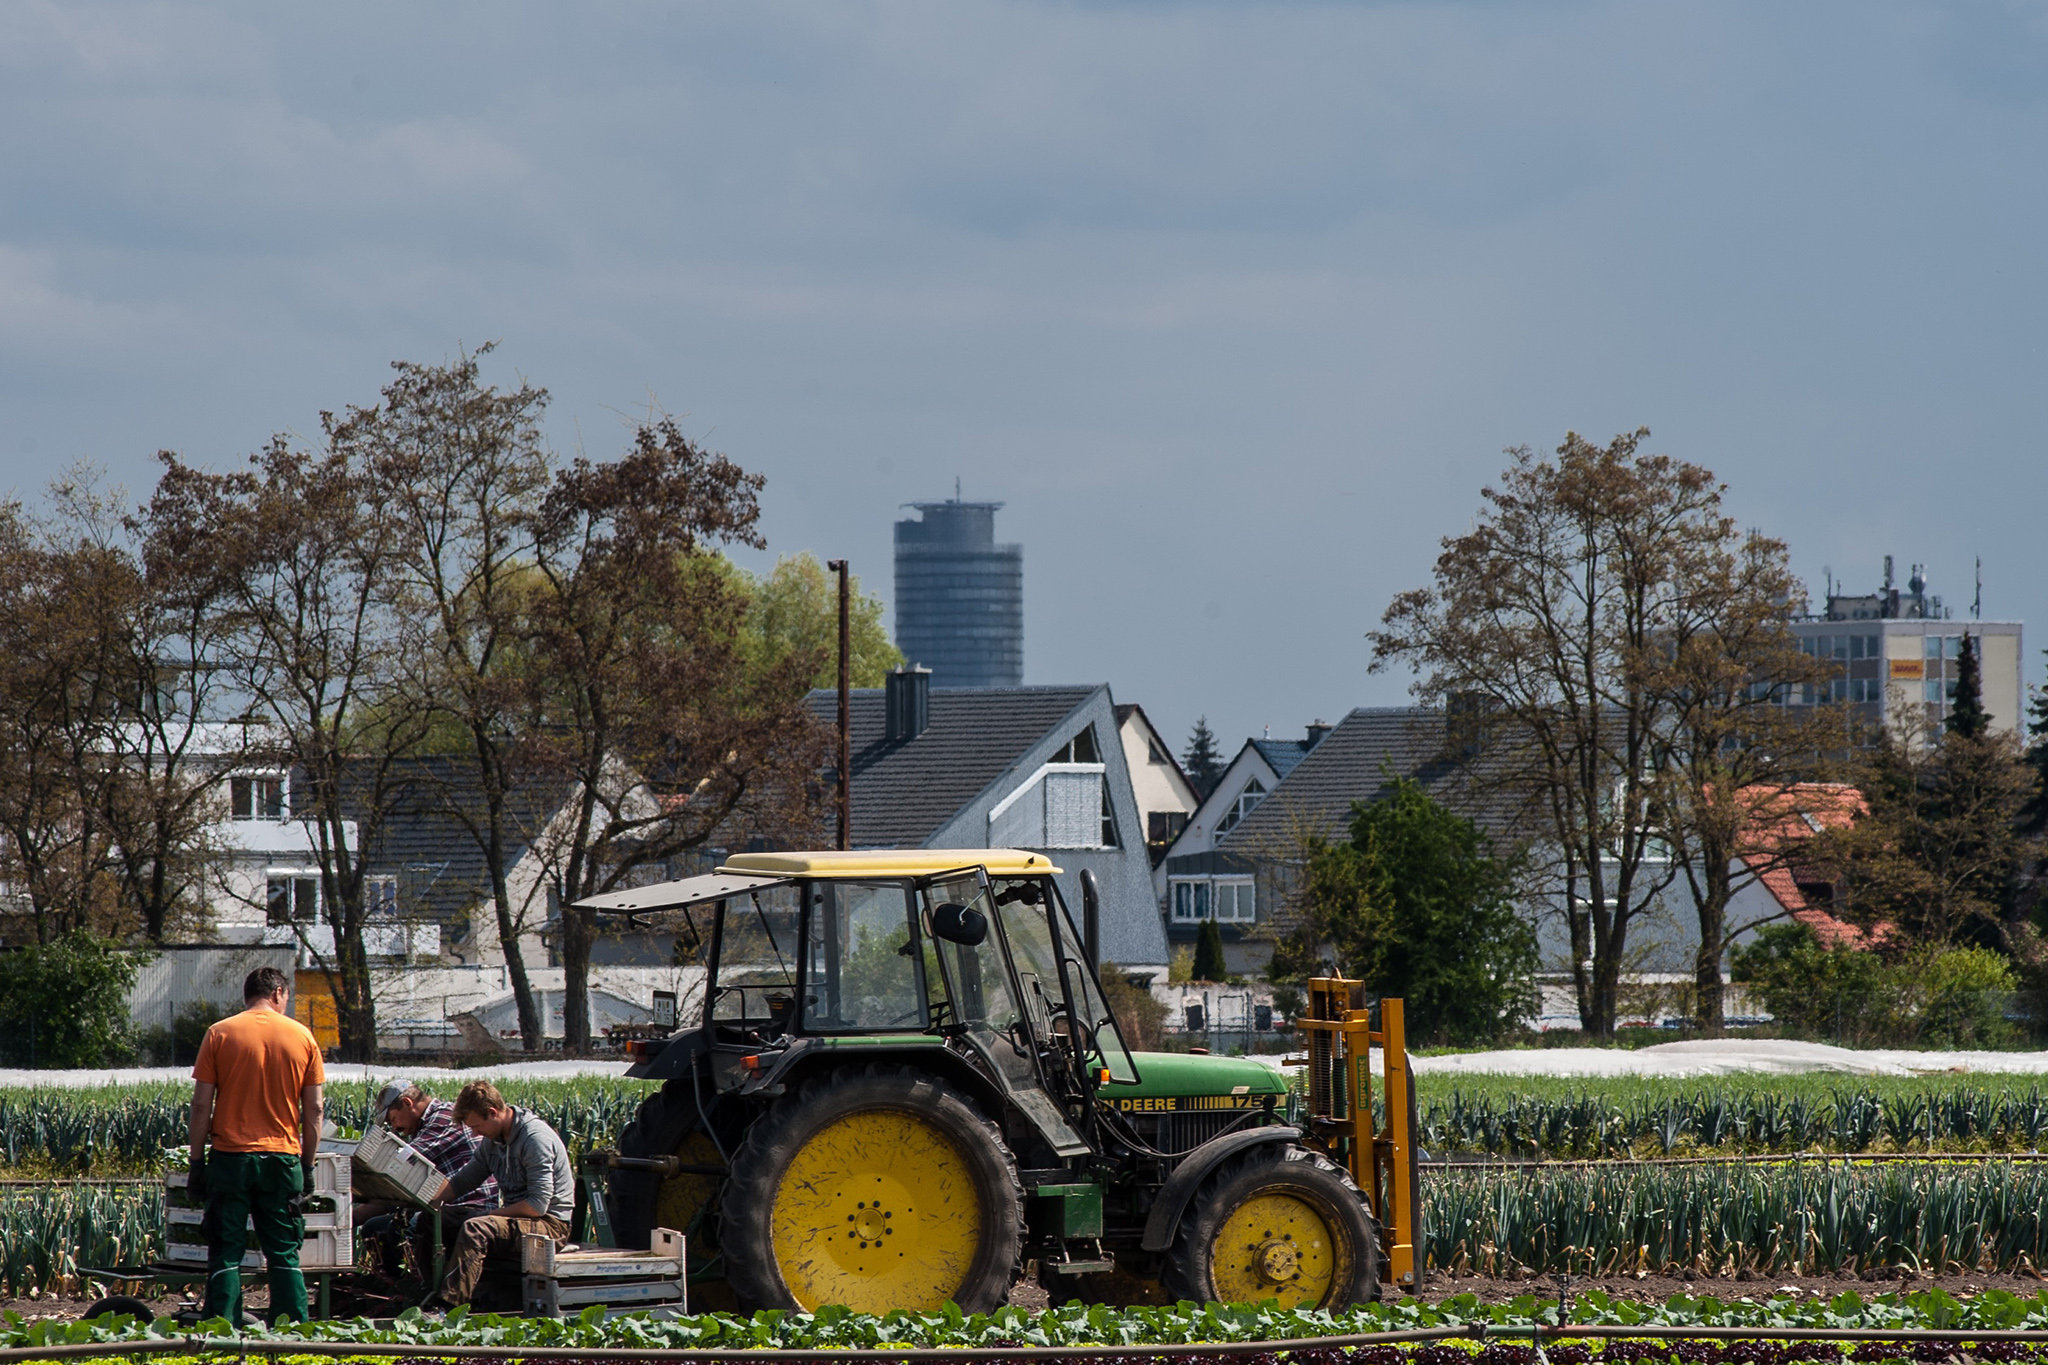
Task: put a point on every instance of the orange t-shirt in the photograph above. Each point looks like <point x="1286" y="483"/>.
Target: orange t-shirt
<point x="260" y="1061"/>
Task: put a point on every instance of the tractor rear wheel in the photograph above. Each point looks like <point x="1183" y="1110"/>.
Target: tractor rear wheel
<point x="874" y="1190"/>
<point x="667" y="1124"/>
<point x="1288" y="1226"/>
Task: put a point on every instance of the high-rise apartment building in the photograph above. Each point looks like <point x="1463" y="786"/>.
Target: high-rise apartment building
<point x="960" y="596"/>
<point x="1897" y="652"/>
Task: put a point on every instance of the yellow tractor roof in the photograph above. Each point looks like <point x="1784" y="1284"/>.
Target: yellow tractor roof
<point x="891" y="862"/>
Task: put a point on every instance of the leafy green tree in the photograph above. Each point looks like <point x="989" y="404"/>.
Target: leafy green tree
<point x="793" y="611"/>
<point x="1966" y="714"/>
<point x="1201" y="760"/>
<point x="1209" y="965"/>
<point x="1417" y="905"/>
<point x="65" y="1003"/>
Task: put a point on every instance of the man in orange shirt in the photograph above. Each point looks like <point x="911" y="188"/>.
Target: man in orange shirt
<point x="257" y="1096"/>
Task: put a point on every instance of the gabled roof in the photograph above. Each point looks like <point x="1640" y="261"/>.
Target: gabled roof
<point x="1281" y="754"/>
<point x="425" y="842"/>
<point x="904" y="793"/>
<point x="1356" y="761"/>
<point x="1781" y="821"/>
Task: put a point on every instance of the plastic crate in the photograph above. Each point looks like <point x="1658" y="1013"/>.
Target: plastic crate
<point x="399" y="1162"/>
<point x="323" y="1249"/>
<point x="340" y="1218"/>
<point x="331" y="1175"/>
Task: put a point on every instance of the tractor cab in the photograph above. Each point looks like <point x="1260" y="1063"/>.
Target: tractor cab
<point x="791" y="956"/>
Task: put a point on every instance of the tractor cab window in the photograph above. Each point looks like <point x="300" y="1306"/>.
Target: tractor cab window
<point x="1090" y="1020"/>
<point x="754" y="974"/>
<point x="860" y="959"/>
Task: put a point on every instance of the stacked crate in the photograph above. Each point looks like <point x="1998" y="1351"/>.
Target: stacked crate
<point x="330" y="1237"/>
<point x="567" y="1279"/>
<point x="393" y="1168"/>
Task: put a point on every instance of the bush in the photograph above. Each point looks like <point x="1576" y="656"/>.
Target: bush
<point x="1934" y="996"/>
<point x="65" y="1003"/>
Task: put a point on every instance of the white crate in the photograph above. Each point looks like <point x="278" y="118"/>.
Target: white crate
<point x="323" y="1249"/>
<point x="398" y="1161"/>
<point x="330" y="1174"/>
<point x="339" y="1218"/>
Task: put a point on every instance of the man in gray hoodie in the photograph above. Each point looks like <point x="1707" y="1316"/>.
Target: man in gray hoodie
<point x="536" y="1185"/>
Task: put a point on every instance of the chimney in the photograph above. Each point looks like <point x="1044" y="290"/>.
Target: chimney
<point x="1316" y="730"/>
<point x="1465" y="722"/>
<point x="907" y="696"/>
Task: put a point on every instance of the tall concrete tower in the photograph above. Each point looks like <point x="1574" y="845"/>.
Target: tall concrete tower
<point x="960" y="596"/>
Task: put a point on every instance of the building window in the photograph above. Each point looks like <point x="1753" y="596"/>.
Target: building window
<point x="1164" y="826"/>
<point x="1227" y="902"/>
<point x="1080" y="749"/>
<point x="380" y="897"/>
<point x="1233" y="901"/>
<point x="290" y="899"/>
<point x="257" y="798"/>
<point x="1247" y="801"/>
<point x="1108" y="819"/>
<point x="1943" y="646"/>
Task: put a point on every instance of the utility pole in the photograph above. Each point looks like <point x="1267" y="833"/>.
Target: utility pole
<point x="838" y="566"/>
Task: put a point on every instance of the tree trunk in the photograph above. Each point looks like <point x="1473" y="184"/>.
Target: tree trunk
<point x="577" y="934"/>
<point x="355" y="1009"/>
<point x="1707" y="983"/>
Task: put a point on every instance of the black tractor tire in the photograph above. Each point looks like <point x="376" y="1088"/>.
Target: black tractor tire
<point x="852" y="1156"/>
<point x="667" y="1124"/>
<point x="1209" y="1265"/>
<point x="126" y="1304"/>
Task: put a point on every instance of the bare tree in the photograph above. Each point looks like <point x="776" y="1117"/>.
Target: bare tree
<point x="645" y="701"/>
<point x="460" y="468"/>
<point x="1553" y="608"/>
<point x="302" y="556"/>
<point x="1737" y="750"/>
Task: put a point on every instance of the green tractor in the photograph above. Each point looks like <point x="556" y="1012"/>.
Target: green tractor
<point x="901" y="1082"/>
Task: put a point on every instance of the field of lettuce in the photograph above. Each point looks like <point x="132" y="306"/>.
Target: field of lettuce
<point x="1468" y="1331"/>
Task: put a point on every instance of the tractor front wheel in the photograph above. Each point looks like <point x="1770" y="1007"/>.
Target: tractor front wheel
<point x="874" y="1190"/>
<point x="1288" y="1226"/>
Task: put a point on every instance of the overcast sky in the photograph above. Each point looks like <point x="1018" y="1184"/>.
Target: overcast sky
<point x="1234" y="306"/>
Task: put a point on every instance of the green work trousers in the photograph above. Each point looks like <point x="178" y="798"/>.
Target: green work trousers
<point x="241" y="1186"/>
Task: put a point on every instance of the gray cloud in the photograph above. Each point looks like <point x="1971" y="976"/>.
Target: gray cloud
<point x="1232" y="304"/>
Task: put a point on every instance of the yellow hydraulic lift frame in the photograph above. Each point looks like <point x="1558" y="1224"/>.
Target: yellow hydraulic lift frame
<point x="1382" y="1160"/>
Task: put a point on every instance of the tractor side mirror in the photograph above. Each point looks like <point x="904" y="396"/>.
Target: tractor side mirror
<point x="960" y="924"/>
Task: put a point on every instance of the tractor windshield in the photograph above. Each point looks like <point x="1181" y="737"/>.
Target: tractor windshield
<point x="1061" y="991"/>
<point x="861" y="959"/>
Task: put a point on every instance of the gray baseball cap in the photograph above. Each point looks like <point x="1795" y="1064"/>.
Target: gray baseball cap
<point x="388" y="1096"/>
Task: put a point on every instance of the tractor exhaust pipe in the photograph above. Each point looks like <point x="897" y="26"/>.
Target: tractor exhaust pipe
<point x="1091" y="919"/>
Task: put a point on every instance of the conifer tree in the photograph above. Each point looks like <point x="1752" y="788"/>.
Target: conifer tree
<point x="1201" y="760"/>
<point x="1966" y="714"/>
<point x="1209" y="965"/>
<point x="2034" y="816"/>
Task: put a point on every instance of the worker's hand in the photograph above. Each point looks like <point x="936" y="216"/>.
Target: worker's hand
<point x="195" y="1179"/>
<point x="296" y="1205"/>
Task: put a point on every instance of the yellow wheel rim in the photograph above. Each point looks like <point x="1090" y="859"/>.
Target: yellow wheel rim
<point x="682" y="1197"/>
<point x="1276" y="1246"/>
<point x="877" y="1211"/>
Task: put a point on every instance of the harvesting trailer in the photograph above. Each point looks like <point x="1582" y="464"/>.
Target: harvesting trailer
<point x="901" y="1081"/>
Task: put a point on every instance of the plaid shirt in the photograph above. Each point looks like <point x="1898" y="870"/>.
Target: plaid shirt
<point x="449" y="1145"/>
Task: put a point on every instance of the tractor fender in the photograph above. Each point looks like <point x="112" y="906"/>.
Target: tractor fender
<point x="1172" y="1201"/>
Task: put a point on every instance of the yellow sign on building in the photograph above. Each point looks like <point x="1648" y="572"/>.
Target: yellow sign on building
<point x="1904" y="670"/>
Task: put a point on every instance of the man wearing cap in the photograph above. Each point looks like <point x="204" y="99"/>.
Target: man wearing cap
<point x="429" y="1126"/>
<point x="256" y="1099"/>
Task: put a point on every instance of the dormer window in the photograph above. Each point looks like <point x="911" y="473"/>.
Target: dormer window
<point x="1247" y="801"/>
<point x="257" y="798"/>
<point x="1080" y="749"/>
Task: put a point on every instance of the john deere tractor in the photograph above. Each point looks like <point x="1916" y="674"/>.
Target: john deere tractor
<point x="901" y="1082"/>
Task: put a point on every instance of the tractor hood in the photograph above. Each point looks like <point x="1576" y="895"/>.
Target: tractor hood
<point x="1173" y="1081"/>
